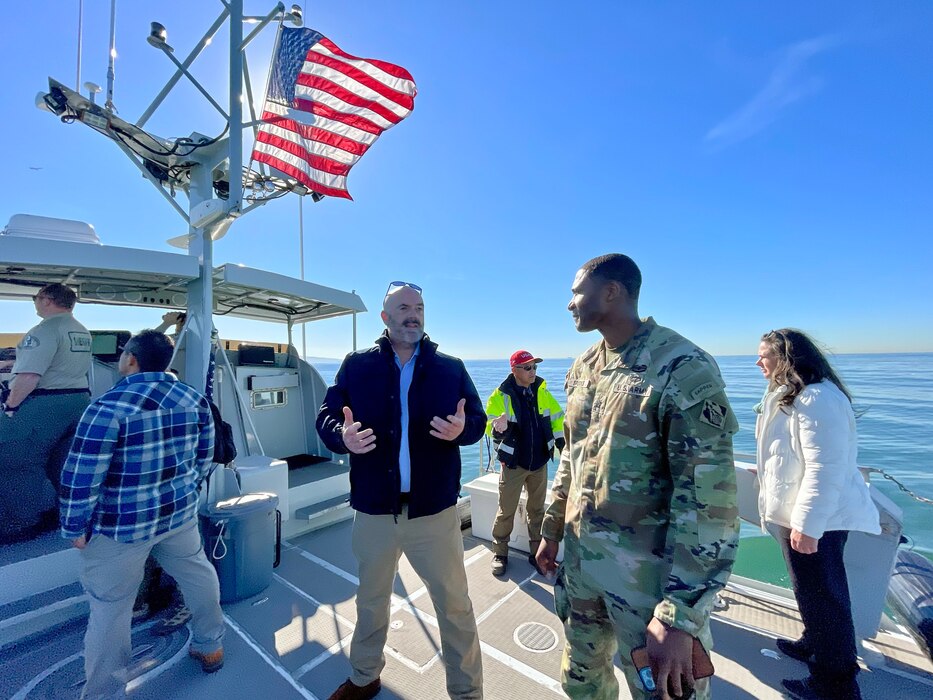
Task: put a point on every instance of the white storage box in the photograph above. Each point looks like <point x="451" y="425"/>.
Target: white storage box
<point x="484" y="502"/>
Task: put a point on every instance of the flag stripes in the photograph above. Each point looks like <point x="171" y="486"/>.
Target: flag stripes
<point x="324" y="108"/>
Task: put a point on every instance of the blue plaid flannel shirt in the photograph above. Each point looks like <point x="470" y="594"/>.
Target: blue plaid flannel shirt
<point x="138" y="457"/>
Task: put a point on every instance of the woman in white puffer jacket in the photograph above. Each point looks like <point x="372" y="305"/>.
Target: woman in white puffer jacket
<point x="811" y="496"/>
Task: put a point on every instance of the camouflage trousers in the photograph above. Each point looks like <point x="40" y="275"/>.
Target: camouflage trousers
<point x="598" y="623"/>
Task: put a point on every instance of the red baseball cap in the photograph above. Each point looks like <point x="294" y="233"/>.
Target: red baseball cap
<point x="520" y="357"/>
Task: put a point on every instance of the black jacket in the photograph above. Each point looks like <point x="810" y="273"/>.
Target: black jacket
<point x="368" y="382"/>
<point x="529" y="440"/>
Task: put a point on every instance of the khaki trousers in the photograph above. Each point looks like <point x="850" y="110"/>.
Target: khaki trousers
<point x="434" y="547"/>
<point x="111" y="572"/>
<point x="511" y="482"/>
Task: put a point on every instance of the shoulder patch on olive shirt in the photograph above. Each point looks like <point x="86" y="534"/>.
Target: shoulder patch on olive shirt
<point x="714" y="413"/>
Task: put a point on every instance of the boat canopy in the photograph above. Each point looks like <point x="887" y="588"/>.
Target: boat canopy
<point x="104" y="274"/>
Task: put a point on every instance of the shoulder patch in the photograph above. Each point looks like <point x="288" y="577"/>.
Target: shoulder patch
<point x="28" y="342"/>
<point x="701" y="390"/>
<point x="694" y="379"/>
<point x="714" y="414"/>
<point x="80" y="342"/>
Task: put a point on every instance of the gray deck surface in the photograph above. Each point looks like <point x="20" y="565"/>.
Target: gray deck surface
<point x="291" y="641"/>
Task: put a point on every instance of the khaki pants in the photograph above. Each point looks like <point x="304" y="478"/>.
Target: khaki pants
<point x="434" y="547"/>
<point x="511" y="482"/>
<point x="111" y="572"/>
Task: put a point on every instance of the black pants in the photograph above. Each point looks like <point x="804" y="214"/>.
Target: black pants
<point x="822" y="593"/>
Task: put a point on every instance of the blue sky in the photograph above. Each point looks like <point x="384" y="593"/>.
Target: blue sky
<point x="764" y="164"/>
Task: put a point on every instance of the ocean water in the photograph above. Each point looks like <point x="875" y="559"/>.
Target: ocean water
<point x="893" y="395"/>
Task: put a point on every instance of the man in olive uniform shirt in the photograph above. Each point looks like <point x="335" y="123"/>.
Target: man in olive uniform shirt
<point x="48" y="394"/>
<point x="644" y="497"/>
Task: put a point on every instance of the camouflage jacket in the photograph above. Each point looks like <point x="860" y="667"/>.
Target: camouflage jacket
<point x="647" y="477"/>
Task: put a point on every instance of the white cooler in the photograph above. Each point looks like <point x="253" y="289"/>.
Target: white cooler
<point x="261" y="474"/>
<point x="484" y="502"/>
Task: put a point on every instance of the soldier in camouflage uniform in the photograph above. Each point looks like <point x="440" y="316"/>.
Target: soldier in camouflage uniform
<point x="644" y="497"/>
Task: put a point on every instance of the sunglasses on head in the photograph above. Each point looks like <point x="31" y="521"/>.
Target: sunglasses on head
<point x="398" y="284"/>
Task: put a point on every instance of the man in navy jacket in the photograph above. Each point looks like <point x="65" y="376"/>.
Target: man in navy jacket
<point x="402" y="410"/>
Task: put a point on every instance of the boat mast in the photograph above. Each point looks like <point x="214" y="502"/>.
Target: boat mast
<point x="209" y="171"/>
<point x="203" y="224"/>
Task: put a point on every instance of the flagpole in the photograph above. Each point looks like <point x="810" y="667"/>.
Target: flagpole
<point x="301" y="257"/>
<point x="275" y="52"/>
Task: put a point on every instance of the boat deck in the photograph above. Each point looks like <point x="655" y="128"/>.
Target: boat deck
<point x="291" y="641"/>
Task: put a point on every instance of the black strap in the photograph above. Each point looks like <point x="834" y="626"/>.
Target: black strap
<point x="58" y="392"/>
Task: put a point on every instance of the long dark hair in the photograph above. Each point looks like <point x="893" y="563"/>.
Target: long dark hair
<point x="800" y="362"/>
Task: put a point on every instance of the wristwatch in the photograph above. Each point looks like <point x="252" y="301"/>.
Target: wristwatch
<point x="9" y="409"/>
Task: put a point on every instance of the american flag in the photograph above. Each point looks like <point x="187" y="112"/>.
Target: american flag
<point x="324" y="108"/>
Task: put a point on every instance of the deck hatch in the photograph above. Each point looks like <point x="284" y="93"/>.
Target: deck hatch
<point x="535" y="637"/>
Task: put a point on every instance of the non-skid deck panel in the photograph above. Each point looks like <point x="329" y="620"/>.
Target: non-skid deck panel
<point x="533" y="603"/>
<point x="904" y="654"/>
<point x="22" y="663"/>
<point x="400" y="682"/>
<point x="333" y="544"/>
<point x="291" y="628"/>
<point x="245" y="673"/>
<point x="748" y="668"/>
<point x="245" y="676"/>
<point x="40" y="600"/>
<point x="485" y="589"/>
<point x="413" y="637"/>
<point x="781" y="620"/>
<point x="742" y="671"/>
<point x="332" y="591"/>
<point x="784" y="621"/>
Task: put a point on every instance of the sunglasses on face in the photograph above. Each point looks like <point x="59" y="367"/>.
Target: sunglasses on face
<point x="528" y="368"/>
<point x="398" y="283"/>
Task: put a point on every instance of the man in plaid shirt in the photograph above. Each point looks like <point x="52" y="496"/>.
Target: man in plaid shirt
<point x="129" y="487"/>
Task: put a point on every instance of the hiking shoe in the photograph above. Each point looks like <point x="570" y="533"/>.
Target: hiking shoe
<point x="141" y="613"/>
<point x="167" y="625"/>
<point x="210" y="661"/>
<point x="798" y="649"/>
<point x="499" y="565"/>
<point x="349" y="691"/>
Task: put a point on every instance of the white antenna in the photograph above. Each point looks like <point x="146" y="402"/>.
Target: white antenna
<point x="113" y="54"/>
<point x="80" y="39"/>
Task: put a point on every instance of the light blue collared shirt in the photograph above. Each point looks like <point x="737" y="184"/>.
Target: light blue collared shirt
<point x="404" y="384"/>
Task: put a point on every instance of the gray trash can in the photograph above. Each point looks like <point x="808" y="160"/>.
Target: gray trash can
<point x="243" y="539"/>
